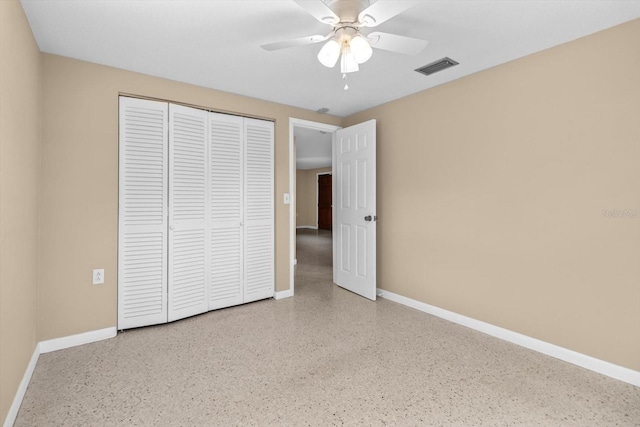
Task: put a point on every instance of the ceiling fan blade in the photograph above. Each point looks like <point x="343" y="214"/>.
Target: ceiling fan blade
<point x="319" y="10"/>
<point x="396" y="43"/>
<point x="382" y="11"/>
<point x="301" y="41"/>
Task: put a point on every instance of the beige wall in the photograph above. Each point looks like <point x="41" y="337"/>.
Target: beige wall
<point x="491" y="192"/>
<point x="496" y="182"/>
<point x="307" y="196"/>
<point x="20" y="97"/>
<point x="79" y="201"/>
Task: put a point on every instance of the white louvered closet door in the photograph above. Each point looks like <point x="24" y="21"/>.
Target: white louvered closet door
<point x="142" y="217"/>
<point x="258" y="210"/>
<point x="196" y="213"/>
<point x="188" y="213"/>
<point x="226" y="135"/>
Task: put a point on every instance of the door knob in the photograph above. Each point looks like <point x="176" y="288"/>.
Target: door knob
<point x="171" y="227"/>
<point x="367" y="218"/>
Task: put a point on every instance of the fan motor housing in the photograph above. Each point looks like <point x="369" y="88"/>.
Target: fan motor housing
<point x="347" y="10"/>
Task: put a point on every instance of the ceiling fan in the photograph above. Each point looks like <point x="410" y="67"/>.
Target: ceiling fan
<point x="346" y="41"/>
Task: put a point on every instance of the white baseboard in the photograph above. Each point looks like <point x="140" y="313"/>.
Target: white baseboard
<point x="22" y="389"/>
<point x="47" y="347"/>
<point x="283" y="294"/>
<point x="600" y="366"/>
<point x="79" y="339"/>
<point x="310" y="227"/>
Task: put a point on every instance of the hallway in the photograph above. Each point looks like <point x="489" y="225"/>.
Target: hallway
<point x="315" y="263"/>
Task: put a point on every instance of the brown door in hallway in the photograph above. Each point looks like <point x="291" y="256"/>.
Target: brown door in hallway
<point x="324" y="202"/>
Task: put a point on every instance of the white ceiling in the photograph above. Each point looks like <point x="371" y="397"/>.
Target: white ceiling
<point x="216" y="43"/>
<point x="313" y="148"/>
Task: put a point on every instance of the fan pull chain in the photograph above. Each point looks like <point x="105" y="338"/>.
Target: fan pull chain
<point x="344" y="77"/>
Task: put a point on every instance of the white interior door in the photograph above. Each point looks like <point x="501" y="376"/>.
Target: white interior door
<point x="142" y="216"/>
<point x="354" y="263"/>
<point x="188" y="212"/>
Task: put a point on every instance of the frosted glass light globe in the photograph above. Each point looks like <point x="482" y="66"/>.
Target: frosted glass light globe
<point x="329" y="54"/>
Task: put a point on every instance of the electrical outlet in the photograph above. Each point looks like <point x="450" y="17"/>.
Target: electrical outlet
<point x="98" y="276"/>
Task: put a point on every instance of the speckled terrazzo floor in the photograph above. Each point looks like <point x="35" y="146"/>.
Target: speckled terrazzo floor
<point x="324" y="357"/>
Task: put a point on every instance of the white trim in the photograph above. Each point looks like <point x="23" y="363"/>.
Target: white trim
<point x="76" y="340"/>
<point x="283" y="294"/>
<point x="334" y="191"/>
<point x="588" y="362"/>
<point x="310" y="227"/>
<point x="22" y="389"/>
<point x="293" y="122"/>
<point x="47" y="347"/>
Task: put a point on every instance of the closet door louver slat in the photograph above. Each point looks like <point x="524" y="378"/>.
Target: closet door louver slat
<point x="226" y="171"/>
<point x="142" y="218"/>
<point x="188" y="228"/>
<point x="258" y="203"/>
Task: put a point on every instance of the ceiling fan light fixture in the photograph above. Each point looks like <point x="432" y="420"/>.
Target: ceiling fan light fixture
<point x="348" y="62"/>
<point x="329" y="54"/>
<point x="361" y="49"/>
<point x="345" y="42"/>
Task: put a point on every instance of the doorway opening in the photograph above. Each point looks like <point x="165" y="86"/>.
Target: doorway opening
<point x="311" y="157"/>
